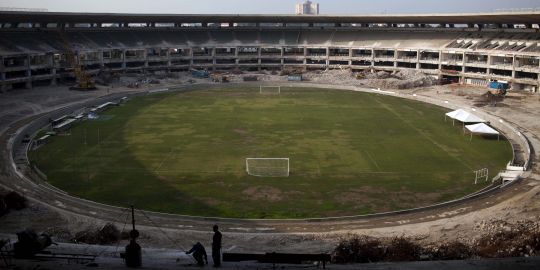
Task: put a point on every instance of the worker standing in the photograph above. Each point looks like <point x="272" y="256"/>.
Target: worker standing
<point x="216" y="246"/>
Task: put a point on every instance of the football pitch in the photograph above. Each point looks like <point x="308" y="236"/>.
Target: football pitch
<point x="350" y="153"/>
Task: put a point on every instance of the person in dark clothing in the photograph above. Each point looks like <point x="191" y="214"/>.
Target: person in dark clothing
<point x="198" y="253"/>
<point x="216" y="246"/>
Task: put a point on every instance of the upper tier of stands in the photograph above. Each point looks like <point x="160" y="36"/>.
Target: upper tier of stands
<point x="49" y="41"/>
<point x="509" y="42"/>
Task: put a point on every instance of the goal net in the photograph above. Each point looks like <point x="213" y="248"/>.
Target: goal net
<point x="481" y="174"/>
<point x="276" y="90"/>
<point x="268" y="167"/>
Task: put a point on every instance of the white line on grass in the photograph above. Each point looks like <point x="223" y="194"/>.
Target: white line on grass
<point x="375" y="162"/>
<point x="163" y="160"/>
<point x="391" y="110"/>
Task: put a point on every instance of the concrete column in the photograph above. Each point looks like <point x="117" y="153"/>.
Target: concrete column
<point x="124" y="66"/>
<point x="417" y="59"/>
<point x="53" y="80"/>
<point x="213" y="53"/>
<point x="169" y="57"/>
<point x="488" y="69"/>
<point x="440" y="60"/>
<point x="28" y="73"/>
<point x="513" y="66"/>
<point x="372" y="57"/>
<point x="538" y="85"/>
<point x="28" y="83"/>
<point x="101" y="60"/>
<point x="463" y="63"/>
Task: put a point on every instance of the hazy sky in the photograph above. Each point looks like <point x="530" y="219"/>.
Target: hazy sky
<point x="270" y="6"/>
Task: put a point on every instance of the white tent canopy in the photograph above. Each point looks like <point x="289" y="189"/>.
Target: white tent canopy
<point x="454" y="114"/>
<point x="482" y="128"/>
<point x="465" y="117"/>
<point x="469" y="118"/>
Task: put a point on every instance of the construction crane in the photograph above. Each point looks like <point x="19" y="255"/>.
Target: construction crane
<point x="84" y="81"/>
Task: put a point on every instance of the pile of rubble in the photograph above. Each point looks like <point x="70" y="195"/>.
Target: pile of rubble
<point x="402" y="79"/>
<point x="497" y="239"/>
<point x="503" y="239"/>
<point x="366" y="249"/>
<point x="333" y="76"/>
<point x="11" y="201"/>
<point x="108" y="234"/>
<point x="488" y="98"/>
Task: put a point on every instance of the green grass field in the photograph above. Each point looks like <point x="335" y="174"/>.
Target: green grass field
<point x="351" y="153"/>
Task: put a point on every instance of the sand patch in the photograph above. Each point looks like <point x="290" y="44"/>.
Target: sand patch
<point x="265" y="193"/>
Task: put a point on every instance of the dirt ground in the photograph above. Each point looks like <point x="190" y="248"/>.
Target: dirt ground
<point x="464" y="222"/>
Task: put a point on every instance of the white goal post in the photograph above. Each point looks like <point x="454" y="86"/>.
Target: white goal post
<point x="481" y="174"/>
<point x="269" y="89"/>
<point x="268" y="167"/>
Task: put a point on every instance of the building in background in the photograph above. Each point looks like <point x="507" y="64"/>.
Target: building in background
<point x="307" y="8"/>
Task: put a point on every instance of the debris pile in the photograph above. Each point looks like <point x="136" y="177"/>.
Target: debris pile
<point x="366" y="249"/>
<point x="11" y="200"/>
<point x="498" y="239"/>
<point x="332" y="76"/>
<point x="488" y="98"/>
<point x="403" y="249"/>
<point x="402" y="79"/>
<point x="503" y="239"/>
<point x="108" y="234"/>
<point x="452" y="251"/>
<point x="359" y="249"/>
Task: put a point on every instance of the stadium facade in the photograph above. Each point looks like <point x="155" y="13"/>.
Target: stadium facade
<point x="467" y="48"/>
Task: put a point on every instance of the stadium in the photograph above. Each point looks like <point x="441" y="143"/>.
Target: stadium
<point x="244" y="121"/>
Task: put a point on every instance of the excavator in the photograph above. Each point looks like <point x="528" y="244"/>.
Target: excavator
<point x="84" y="81"/>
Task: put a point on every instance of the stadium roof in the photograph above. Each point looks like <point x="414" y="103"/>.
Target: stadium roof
<point x="456" y="18"/>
